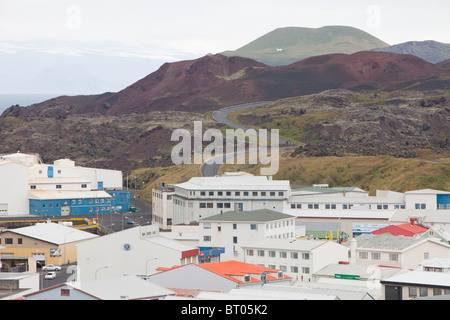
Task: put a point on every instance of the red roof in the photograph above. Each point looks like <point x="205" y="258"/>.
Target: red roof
<point x="406" y="229"/>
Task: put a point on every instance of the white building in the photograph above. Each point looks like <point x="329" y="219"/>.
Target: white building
<point x="202" y="197"/>
<point x="56" y="189"/>
<point x="137" y="251"/>
<point x="395" y="251"/>
<point x="299" y="259"/>
<point x="235" y="229"/>
<point x="162" y="206"/>
<point x="13" y="189"/>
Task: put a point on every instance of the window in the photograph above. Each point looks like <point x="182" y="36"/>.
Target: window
<point x="423" y="292"/>
<point x="260" y="253"/>
<point x="203" y="193"/>
<point x="74" y="201"/>
<point x="272" y="193"/>
<point x="305" y="270"/>
<point x="206" y="238"/>
<point x="363" y="255"/>
<point x="253" y="226"/>
<point x="33" y="187"/>
<point x="227" y="205"/>
<point x="255" y="193"/>
<point x="220" y="205"/>
<point x="280" y="193"/>
<point x="8" y="241"/>
<point x="393" y="256"/>
<point x="294" y="269"/>
<point x="283" y="254"/>
<point x="210" y="205"/>
<point x="58" y="186"/>
<point x="250" y="252"/>
<point x="420" y="206"/>
<point x="202" y="205"/>
<point x="292" y="206"/>
<point x="237" y="193"/>
<point x="263" y="193"/>
<point x="207" y="226"/>
<point x="234" y="226"/>
<point x="246" y="193"/>
<point x="211" y="193"/>
<point x="235" y="239"/>
<point x="305" y="255"/>
<point x="84" y="186"/>
<point x="426" y="255"/>
<point x="375" y="256"/>
<point x="437" y="292"/>
<point x="294" y="255"/>
<point x="228" y="193"/>
<point x="65" y="292"/>
<point x="412" y="292"/>
<point x="299" y="205"/>
<point x="219" y="193"/>
<point x="272" y="254"/>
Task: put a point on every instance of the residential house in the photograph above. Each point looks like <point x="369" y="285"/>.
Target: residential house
<point x="218" y="276"/>
<point x="299" y="259"/>
<point x="395" y="251"/>
<point x="122" y="288"/>
<point x="46" y="243"/>
<point x="235" y="229"/>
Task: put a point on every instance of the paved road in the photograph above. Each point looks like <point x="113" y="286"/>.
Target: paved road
<point x="210" y="168"/>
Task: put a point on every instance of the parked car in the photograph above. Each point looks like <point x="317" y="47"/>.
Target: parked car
<point x="51" y="267"/>
<point x="50" y="276"/>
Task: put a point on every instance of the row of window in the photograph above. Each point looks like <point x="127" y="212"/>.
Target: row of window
<point x="278" y="254"/>
<point x="377" y="256"/>
<point x="333" y="206"/>
<point x="58" y="186"/>
<point x="238" y="193"/>
<point x="293" y="269"/>
<point x="11" y="241"/>
<point x="50" y="205"/>
<point x="423" y="291"/>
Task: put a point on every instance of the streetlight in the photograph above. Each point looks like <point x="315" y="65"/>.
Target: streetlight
<point x="146" y="264"/>
<point x="104" y="267"/>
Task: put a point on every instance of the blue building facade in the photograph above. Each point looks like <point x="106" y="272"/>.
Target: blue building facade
<point x="118" y="202"/>
<point x="443" y="201"/>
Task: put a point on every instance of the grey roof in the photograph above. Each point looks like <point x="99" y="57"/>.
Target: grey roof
<point x="363" y="271"/>
<point x="255" y="215"/>
<point x="385" y="241"/>
<point x="341" y="292"/>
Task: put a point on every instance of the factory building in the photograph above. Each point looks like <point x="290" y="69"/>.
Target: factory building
<point x="30" y="187"/>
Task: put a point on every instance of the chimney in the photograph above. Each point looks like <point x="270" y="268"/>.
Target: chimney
<point x="411" y="221"/>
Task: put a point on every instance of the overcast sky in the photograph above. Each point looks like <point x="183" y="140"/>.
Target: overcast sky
<point x="170" y="28"/>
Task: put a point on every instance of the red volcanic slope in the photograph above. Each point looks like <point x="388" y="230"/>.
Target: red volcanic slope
<point x="214" y="81"/>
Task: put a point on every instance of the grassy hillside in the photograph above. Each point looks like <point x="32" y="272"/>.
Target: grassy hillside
<point x="368" y="173"/>
<point x="298" y="43"/>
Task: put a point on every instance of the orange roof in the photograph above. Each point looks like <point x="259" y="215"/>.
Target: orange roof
<point x="231" y="269"/>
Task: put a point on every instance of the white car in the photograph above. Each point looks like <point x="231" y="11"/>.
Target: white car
<point x="50" y="276"/>
<point x="51" y="267"/>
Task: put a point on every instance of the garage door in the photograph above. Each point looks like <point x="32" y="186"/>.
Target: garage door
<point x="39" y="256"/>
<point x="3" y="209"/>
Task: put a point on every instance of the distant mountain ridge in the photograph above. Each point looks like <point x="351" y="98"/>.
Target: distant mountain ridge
<point x="284" y="46"/>
<point x="431" y="51"/>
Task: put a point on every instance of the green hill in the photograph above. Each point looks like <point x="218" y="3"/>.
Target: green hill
<point x="284" y="46"/>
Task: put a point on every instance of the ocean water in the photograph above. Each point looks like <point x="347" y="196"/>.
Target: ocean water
<point x="23" y="99"/>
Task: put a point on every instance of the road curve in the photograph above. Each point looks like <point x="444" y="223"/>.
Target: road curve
<point x="209" y="168"/>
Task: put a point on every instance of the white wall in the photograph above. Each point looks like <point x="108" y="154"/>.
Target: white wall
<point x="109" y="250"/>
<point x="14" y="189"/>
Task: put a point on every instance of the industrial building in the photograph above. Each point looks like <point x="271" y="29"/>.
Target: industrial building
<point x="30" y="187"/>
